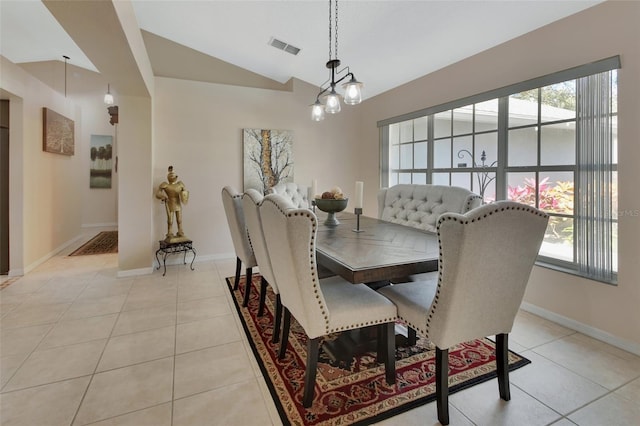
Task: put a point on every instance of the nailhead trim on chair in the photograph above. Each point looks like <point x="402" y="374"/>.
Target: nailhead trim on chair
<point x="469" y="201"/>
<point x="442" y="219"/>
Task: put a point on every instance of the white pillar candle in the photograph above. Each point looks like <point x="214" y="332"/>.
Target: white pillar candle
<point x="359" y="194"/>
<point x="314" y="188"/>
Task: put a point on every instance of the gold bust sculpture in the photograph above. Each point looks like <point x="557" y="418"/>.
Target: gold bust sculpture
<point x="173" y="194"/>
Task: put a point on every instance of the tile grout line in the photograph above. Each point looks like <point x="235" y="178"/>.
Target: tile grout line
<point x="35" y="348"/>
<point x="100" y="358"/>
<point x="175" y="350"/>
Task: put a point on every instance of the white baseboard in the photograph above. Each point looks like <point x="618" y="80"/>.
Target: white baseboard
<point x="15" y="272"/>
<point x="48" y="256"/>
<point x="585" y="329"/>
<point x="99" y="225"/>
<point x="134" y="272"/>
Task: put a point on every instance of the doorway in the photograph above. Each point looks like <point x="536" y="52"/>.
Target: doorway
<point x="4" y="187"/>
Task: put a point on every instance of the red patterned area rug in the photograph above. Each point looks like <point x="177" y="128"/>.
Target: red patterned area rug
<point x="357" y="393"/>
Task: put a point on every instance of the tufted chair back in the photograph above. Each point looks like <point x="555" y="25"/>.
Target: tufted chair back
<point x="290" y="235"/>
<point x="297" y="194"/>
<point x="251" y="204"/>
<point x="420" y="206"/>
<point x="486" y="259"/>
<point x="486" y="256"/>
<point x="232" y="201"/>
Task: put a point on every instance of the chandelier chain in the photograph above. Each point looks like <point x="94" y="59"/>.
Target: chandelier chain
<point x="330" y="29"/>
<point x="336" y="29"/>
<point x="333" y="30"/>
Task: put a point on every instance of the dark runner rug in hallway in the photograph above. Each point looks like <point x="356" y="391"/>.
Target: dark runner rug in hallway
<point x="103" y="243"/>
<point x="356" y="393"/>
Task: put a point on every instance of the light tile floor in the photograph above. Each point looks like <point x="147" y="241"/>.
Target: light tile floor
<point x="79" y="346"/>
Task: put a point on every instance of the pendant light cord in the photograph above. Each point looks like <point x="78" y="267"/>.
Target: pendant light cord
<point x="65" y="74"/>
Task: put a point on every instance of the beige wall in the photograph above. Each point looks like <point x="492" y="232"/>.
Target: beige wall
<point x="198" y="129"/>
<point x="596" y="33"/>
<point x="45" y="202"/>
<point x="99" y="205"/>
<point x="135" y="249"/>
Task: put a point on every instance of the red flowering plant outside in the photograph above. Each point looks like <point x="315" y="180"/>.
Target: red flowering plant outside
<point x="552" y="198"/>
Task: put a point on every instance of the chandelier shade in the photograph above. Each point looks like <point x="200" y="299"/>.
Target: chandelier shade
<point x="108" y="97"/>
<point x="352" y="88"/>
<point x="317" y="111"/>
<point x="352" y="92"/>
<point x="332" y="103"/>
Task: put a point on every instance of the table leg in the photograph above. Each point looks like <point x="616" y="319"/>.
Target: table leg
<point x="158" y="260"/>
<point x="194" y="257"/>
<point x="164" y="262"/>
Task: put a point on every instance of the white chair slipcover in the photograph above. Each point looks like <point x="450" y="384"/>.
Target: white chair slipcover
<point x="420" y="206"/>
<point x="232" y="201"/>
<point x="320" y="306"/>
<point x="486" y="257"/>
<point x="297" y="194"/>
<point x="251" y="201"/>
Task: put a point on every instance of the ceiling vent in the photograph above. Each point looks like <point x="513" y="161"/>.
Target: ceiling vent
<point x="279" y="44"/>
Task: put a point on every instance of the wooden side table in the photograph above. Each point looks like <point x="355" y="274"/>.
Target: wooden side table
<point x="173" y="248"/>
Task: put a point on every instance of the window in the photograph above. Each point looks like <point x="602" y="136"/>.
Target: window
<point x="549" y="142"/>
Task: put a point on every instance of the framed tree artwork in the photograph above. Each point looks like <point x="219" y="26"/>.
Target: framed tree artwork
<point x="268" y="158"/>
<point x="57" y="133"/>
<point x="101" y="154"/>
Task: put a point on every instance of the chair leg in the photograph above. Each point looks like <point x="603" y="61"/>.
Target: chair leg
<point x="238" y="268"/>
<point x="380" y="343"/>
<point x="389" y="336"/>
<point x="284" y="340"/>
<point x="276" y="320"/>
<point x="442" y="384"/>
<point x="263" y="296"/>
<point x="313" y="346"/>
<point x="412" y="337"/>
<point x="247" y="288"/>
<point x="502" y="363"/>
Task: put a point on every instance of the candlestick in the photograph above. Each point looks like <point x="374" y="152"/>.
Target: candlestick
<point x="358" y="212"/>
<point x="359" y="194"/>
<point x="314" y="191"/>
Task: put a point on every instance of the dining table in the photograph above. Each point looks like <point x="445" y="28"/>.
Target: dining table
<point x="379" y="251"/>
<point x="374" y="252"/>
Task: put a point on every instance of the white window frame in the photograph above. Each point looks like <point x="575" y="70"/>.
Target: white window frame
<point x="501" y="168"/>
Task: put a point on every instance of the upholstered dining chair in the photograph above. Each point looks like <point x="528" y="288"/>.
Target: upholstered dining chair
<point x="251" y="204"/>
<point x="486" y="257"/>
<point x="320" y="306"/>
<point x="232" y="201"/>
<point x="294" y="192"/>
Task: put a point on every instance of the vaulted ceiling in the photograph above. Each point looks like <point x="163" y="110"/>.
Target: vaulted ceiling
<point x="385" y="43"/>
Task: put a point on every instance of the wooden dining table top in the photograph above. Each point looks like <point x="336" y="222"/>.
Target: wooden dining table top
<point x="382" y="251"/>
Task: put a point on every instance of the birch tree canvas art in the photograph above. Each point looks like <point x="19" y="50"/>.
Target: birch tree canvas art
<point x="268" y="158"/>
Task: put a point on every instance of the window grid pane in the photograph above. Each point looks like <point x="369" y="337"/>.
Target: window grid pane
<point x="539" y="146"/>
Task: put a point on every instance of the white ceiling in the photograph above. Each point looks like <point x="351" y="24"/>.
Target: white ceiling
<point x="385" y="43"/>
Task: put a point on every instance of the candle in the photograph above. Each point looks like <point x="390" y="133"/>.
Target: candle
<point x="314" y="189"/>
<point x="359" y="194"/>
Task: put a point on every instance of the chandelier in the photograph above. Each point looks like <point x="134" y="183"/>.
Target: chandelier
<point x="352" y="92"/>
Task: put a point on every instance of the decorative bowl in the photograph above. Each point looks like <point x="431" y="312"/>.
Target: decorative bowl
<point x="331" y="206"/>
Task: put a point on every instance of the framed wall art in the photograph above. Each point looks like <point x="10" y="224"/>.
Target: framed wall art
<point x="268" y="158"/>
<point x="101" y="155"/>
<point x="57" y="133"/>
